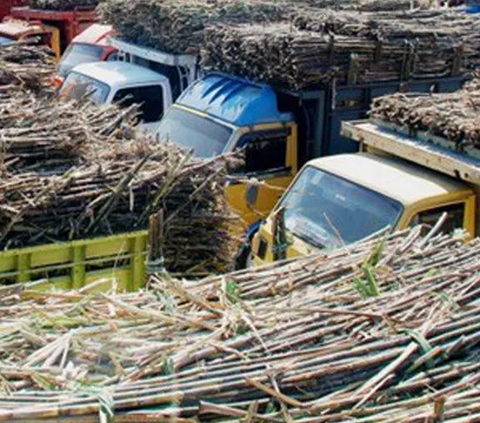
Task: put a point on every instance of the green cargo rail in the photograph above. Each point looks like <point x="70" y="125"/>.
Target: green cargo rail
<point x="118" y="260"/>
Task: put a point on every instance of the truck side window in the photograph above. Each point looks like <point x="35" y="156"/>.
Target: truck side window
<point x="150" y="100"/>
<point x="112" y="57"/>
<point x="455" y="217"/>
<point x="264" y="151"/>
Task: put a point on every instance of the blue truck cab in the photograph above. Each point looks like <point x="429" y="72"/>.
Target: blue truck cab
<point x="474" y="8"/>
<point x="219" y="114"/>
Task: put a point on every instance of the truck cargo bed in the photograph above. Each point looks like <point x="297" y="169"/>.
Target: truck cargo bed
<point x="421" y="148"/>
<point x="117" y="259"/>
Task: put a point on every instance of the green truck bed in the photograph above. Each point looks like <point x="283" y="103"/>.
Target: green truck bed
<point x="114" y="260"/>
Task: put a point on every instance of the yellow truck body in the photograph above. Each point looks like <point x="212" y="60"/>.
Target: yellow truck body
<point x="420" y="173"/>
<point x="114" y="261"/>
<point x="268" y="186"/>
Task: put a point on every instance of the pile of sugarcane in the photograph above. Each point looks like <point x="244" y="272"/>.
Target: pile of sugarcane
<point x="178" y="26"/>
<point x="379" y="5"/>
<point x="386" y="330"/>
<point x="24" y="67"/>
<point x="63" y="4"/>
<point x="393" y="5"/>
<point x="351" y="47"/>
<point x="71" y="170"/>
<point x="453" y="116"/>
<point x="303" y="43"/>
<point x="27" y="120"/>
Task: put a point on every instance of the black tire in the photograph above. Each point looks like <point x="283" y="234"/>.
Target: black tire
<point x="243" y="256"/>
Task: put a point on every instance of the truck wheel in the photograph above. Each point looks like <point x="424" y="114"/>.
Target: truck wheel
<point x="244" y="259"/>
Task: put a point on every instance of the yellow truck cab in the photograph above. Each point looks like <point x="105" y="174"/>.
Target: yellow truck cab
<point x="396" y="181"/>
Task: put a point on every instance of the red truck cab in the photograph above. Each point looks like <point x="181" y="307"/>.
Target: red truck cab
<point x="89" y="46"/>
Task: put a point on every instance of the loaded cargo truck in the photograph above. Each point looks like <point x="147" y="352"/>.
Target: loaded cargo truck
<point x="279" y="130"/>
<point x="67" y="24"/>
<point x="141" y="75"/>
<point x="397" y="180"/>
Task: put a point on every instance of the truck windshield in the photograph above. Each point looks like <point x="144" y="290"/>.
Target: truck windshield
<point x="205" y="137"/>
<point x="76" y="54"/>
<point x="6" y="41"/>
<point x="77" y="86"/>
<point x="327" y="211"/>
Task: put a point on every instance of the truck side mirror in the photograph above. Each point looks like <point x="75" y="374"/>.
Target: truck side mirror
<point x="251" y="192"/>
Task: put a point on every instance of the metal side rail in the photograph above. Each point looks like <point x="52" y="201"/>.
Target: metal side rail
<point x="428" y="151"/>
<point x="116" y="260"/>
<point x="153" y="55"/>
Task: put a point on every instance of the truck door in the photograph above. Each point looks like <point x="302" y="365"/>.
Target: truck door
<point x="270" y="164"/>
<point x="151" y="101"/>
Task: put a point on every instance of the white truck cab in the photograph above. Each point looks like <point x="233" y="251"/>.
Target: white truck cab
<point x="115" y="82"/>
<point x="141" y="75"/>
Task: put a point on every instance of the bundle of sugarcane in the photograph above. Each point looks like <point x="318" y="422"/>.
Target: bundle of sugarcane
<point x="178" y="26"/>
<point x="63" y="4"/>
<point x="351" y="47"/>
<point x="46" y="136"/>
<point x="434" y="42"/>
<point x="394" y="5"/>
<point x="381" y="331"/>
<point x="451" y="116"/>
<point x="423" y="24"/>
<point x="373" y="5"/>
<point x="70" y="173"/>
<point x="299" y="59"/>
<point x="25" y="66"/>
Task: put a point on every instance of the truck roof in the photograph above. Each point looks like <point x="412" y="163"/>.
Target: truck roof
<point x="119" y="74"/>
<point x="234" y="100"/>
<point x="395" y="178"/>
<point x="95" y="34"/>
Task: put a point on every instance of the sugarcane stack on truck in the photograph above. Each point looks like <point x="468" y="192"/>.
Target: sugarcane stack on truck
<point x="418" y="163"/>
<point x="285" y="85"/>
<point x="78" y="184"/>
